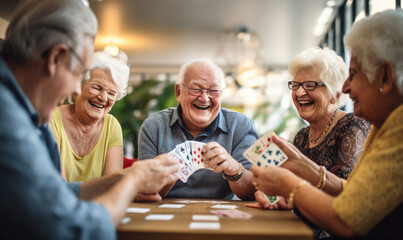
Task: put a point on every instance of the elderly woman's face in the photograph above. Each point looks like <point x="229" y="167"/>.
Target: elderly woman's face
<point x="362" y="93"/>
<point x="311" y="105"/>
<point x="98" y="95"/>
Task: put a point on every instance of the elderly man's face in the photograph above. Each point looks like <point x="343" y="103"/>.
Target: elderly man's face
<point x="66" y="82"/>
<point x="198" y="112"/>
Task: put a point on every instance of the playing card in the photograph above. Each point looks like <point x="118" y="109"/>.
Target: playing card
<point x="182" y="151"/>
<point x="271" y="156"/>
<point x="205" y="225"/>
<point x="273" y="199"/>
<point x="266" y="139"/>
<point x="253" y="152"/>
<point x="197" y="154"/>
<point x="232" y="213"/>
<point x="184" y="170"/>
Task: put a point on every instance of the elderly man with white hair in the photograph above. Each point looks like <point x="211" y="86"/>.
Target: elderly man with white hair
<point x="199" y="117"/>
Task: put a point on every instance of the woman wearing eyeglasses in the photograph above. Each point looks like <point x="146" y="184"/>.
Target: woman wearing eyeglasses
<point x="90" y="139"/>
<point x="334" y="139"/>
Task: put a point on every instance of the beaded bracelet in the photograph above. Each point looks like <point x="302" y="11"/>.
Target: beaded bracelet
<point x="294" y="191"/>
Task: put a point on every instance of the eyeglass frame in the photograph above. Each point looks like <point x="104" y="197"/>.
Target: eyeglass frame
<point x="74" y="53"/>
<point x="317" y="84"/>
<point x="201" y="91"/>
<point x="107" y="90"/>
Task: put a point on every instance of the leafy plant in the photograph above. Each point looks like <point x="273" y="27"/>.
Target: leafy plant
<point x="144" y="99"/>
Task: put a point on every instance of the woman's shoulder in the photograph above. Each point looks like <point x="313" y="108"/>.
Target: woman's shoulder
<point x="350" y="121"/>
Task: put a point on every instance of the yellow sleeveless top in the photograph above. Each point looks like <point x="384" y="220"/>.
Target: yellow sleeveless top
<point x="91" y="166"/>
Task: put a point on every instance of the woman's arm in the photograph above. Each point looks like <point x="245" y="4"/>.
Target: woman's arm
<point x="113" y="161"/>
<point x="313" y="203"/>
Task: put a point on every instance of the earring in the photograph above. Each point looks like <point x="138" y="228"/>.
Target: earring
<point x="380" y="89"/>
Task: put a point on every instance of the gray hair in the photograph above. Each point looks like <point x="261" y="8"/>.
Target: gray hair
<point x="376" y="40"/>
<point x="38" y="25"/>
<point x="204" y="61"/>
<point x="332" y="69"/>
<point x="117" y="66"/>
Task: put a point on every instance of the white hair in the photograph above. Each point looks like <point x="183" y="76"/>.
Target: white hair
<point x="376" y="40"/>
<point x="37" y="25"/>
<point x="204" y="61"/>
<point x="117" y="66"/>
<point x="331" y="67"/>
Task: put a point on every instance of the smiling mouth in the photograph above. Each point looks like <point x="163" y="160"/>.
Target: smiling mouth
<point x="97" y="105"/>
<point x="354" y="99"/>
<point x="304" y="103"/>
<point x="201" y="107"/>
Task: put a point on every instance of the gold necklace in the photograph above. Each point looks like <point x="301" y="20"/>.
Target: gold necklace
<point x="324" y="132"/>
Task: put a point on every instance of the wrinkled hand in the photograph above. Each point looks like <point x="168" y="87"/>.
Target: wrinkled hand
<point x="150" y="197"/>
<point x="296" y="160"/>
<point x="153" y="174"/>
<point x="271" y="180"/>
<point x="218" y="159"/>
<point x="264" y="202"/>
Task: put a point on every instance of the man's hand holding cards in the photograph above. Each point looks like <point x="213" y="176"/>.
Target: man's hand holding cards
<point x="263" y="153"/>
<point x="189" y="156"/>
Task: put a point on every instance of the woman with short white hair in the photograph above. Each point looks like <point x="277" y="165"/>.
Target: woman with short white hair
<point x="334" y="139"/>
<point x="90" y="139"/>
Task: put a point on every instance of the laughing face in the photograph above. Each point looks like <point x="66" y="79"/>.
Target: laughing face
<point x="96" y="104"/>
<point x="312" y="105"/>
<point x="198" y="112"/>
<point x="362" y="93"/>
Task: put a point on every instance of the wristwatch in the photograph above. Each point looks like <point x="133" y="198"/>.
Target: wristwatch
<point x="235" y="177"/>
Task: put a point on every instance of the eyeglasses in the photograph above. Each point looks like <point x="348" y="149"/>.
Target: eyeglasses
<point x="308" y="85"/>
<point x="96" y="89"/>
<point x="76" y="55"/>
<point x="213" y="93"/>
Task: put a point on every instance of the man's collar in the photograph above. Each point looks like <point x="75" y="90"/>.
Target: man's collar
<point x="18" y="91"/>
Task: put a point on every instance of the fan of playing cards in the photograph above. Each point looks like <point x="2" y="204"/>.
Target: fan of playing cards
<point x="189" y="157"/>
<point x="264" y="152"/>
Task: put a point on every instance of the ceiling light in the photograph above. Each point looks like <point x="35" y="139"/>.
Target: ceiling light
<point x="112" y="50"/>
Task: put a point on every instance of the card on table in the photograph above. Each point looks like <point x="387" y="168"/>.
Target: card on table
<point x="164" y="217"/>
<point x="205" y="225"/>
<point x="232" y="213"/>
<point x="137" y="210"/>
<point x="205" y="217"/>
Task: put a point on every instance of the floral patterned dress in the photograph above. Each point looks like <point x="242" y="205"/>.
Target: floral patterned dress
<point x="340" y="149"/>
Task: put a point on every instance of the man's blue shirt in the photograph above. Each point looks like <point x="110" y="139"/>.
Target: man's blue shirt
<point x="162" y="131"/>
<point x="36" y="203"/>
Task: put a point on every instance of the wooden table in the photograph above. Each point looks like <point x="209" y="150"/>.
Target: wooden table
<point x="264" y="224"/>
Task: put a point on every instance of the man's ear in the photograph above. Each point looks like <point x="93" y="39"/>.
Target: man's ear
<point x="387" y="78"/>
<point x="177" y="91"/>
<point x="55" y="58"/>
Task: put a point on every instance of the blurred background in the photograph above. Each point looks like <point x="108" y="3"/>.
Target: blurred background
<point x="252" y="40"/>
